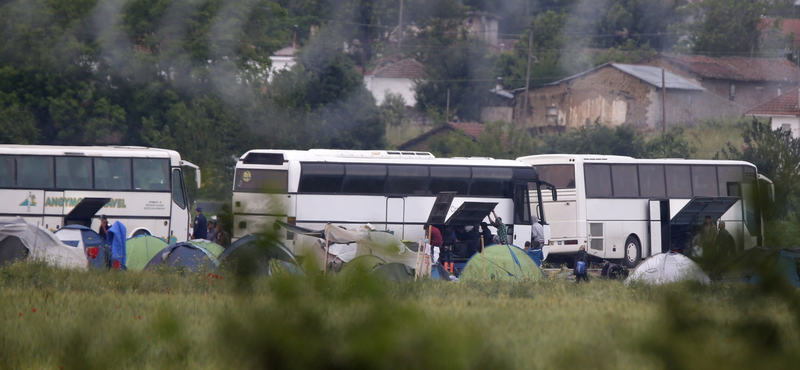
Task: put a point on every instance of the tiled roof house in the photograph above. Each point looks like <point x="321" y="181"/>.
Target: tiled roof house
<point x="783" y="110"/>
<point x="394" y="75"/>
<point x="470" y="129"/>
<point x="744" y="81"/>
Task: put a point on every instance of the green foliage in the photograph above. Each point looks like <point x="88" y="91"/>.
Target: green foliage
<point x="498" y="140"/>
<point x="672" y="144"/>
<point x="776" y="154"/>
<point x="456" y="63"/>
<point x="714" y="23"/>
<point x="164" y="319"/>
<point x="393" y="110"/>
<point x="598" y="139"/>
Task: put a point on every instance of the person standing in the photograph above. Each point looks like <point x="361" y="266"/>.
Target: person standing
<point x="223" y="238"/>
<point x="103" y="231"/>
<point x="726" y="245"/>
<point x="212" y="231"/>
<point x="200" y="230"/>
<point x="708" y="236"/>
<point x="581" y="265"/>
<point x="502" y="231"/>
<point x="486" y="235"/>
<point x="537" y="233"/>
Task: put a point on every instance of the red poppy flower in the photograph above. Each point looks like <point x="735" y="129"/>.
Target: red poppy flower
<point x="34" y="310"/>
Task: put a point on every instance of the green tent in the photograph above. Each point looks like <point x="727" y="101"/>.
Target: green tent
<point x="141" y="249"/>
<point x="503" y="262"/>
<point x="210" y="246"/>
<point x="367" y="262"/>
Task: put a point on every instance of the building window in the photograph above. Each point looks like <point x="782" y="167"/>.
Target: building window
<point x="733" y="92"/>
<point x="786" y="127"/>
<point x="552" y="115"/>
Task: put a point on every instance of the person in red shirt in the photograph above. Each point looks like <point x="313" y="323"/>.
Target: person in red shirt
<point x="435" y="237"/>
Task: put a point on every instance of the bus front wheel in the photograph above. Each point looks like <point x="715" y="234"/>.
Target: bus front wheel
<point x="632" y="252"/>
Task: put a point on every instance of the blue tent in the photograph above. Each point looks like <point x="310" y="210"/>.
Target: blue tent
<point x="753" y="263"/>
<point x="185" y="255"/>
<point x="97" y="250"/>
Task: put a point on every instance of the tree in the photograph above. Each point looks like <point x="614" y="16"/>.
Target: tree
<point x="393" y="109"/>
<point x="454" y="63"/>
<point x="599" y="139"/>
<point x="776" y="154"/>
<point x="717" y="20"/>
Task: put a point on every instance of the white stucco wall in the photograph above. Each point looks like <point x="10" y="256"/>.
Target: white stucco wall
<point x="778" y="122"/>
<point x="279" y="63"/>
<point x="378" y="87"/>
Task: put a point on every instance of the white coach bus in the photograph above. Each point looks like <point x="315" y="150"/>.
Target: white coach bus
<point x="626" y="208"/>
<point x="55" y="186"/>
<point x="391" y="190"/>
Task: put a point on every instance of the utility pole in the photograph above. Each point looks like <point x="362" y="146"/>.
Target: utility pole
<point x="400" y="25"/>
<point x="663" y="102"/>
<point x="447" y="114"/>
<point x="528" y="72"/>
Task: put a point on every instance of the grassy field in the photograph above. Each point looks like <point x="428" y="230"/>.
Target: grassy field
<point x="55" y="319"/>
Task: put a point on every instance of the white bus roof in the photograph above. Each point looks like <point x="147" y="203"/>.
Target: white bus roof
<point x="598" y="158"/>
<point x="381" y="156"/>
<point x="89" y="151"/>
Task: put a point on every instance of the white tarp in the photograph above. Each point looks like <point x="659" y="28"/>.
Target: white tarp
<point x="346" y="244"/>
<point x="42" y="244"/>
<point x="666" y="268"/>
<point x="387" y="246"/>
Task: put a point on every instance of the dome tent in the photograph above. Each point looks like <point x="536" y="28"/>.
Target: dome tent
<point x="503" y="262"/>
<point x="141" y="249"/>
<point x="97" y="250"/>
<point x="21" y="240"/>
<point x="664" y="268"/>
<point x="210" y="246"/>
<point x="257" y="250"/>
<point x="185" y="255"/>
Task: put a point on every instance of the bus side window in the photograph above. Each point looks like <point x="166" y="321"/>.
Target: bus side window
<point x="598" y="180"/>
<point x="728" y="176"/>
<point x="112" y="173"/>
<point x="651" y="181"/>
<point x="449" y="179"/>
<point x="704" y="181"/>
<point x="625" y="181"/>
<point x="7" y="172"/>
<point x="35" y="172"/>
<point x="678" y="182"/>
<point x="364" y="179"/>
<point x="73" y="173"/>
<point x="407" y="180"/>
<point x="178" y="196"/>
<point x="321" y="178"/>
<point x="150" y="174"/>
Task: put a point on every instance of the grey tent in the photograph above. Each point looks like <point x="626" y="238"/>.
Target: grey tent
<point x="184" y="255"/>
<point x="21" y="240"/>
<point x="666" y="268"/>
<point x="254" y="249"/>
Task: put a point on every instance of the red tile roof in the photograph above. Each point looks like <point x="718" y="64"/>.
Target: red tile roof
<point x="737" y="68"/>
<point x="782" y="105"/>
<point x="470" y="128"/>
<point x="405" y="68"/>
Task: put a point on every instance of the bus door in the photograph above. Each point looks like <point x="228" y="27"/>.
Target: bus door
<point x="180" y="227"/>
<point x="395" y="215"/>
<point x="659" y="228"/>
<point x="53" y="210"/>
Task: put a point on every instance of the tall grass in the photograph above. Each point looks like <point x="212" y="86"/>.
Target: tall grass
<point x="169" y="319"/>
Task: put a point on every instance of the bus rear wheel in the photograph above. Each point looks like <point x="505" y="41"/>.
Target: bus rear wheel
<point x="632" y="252"/>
